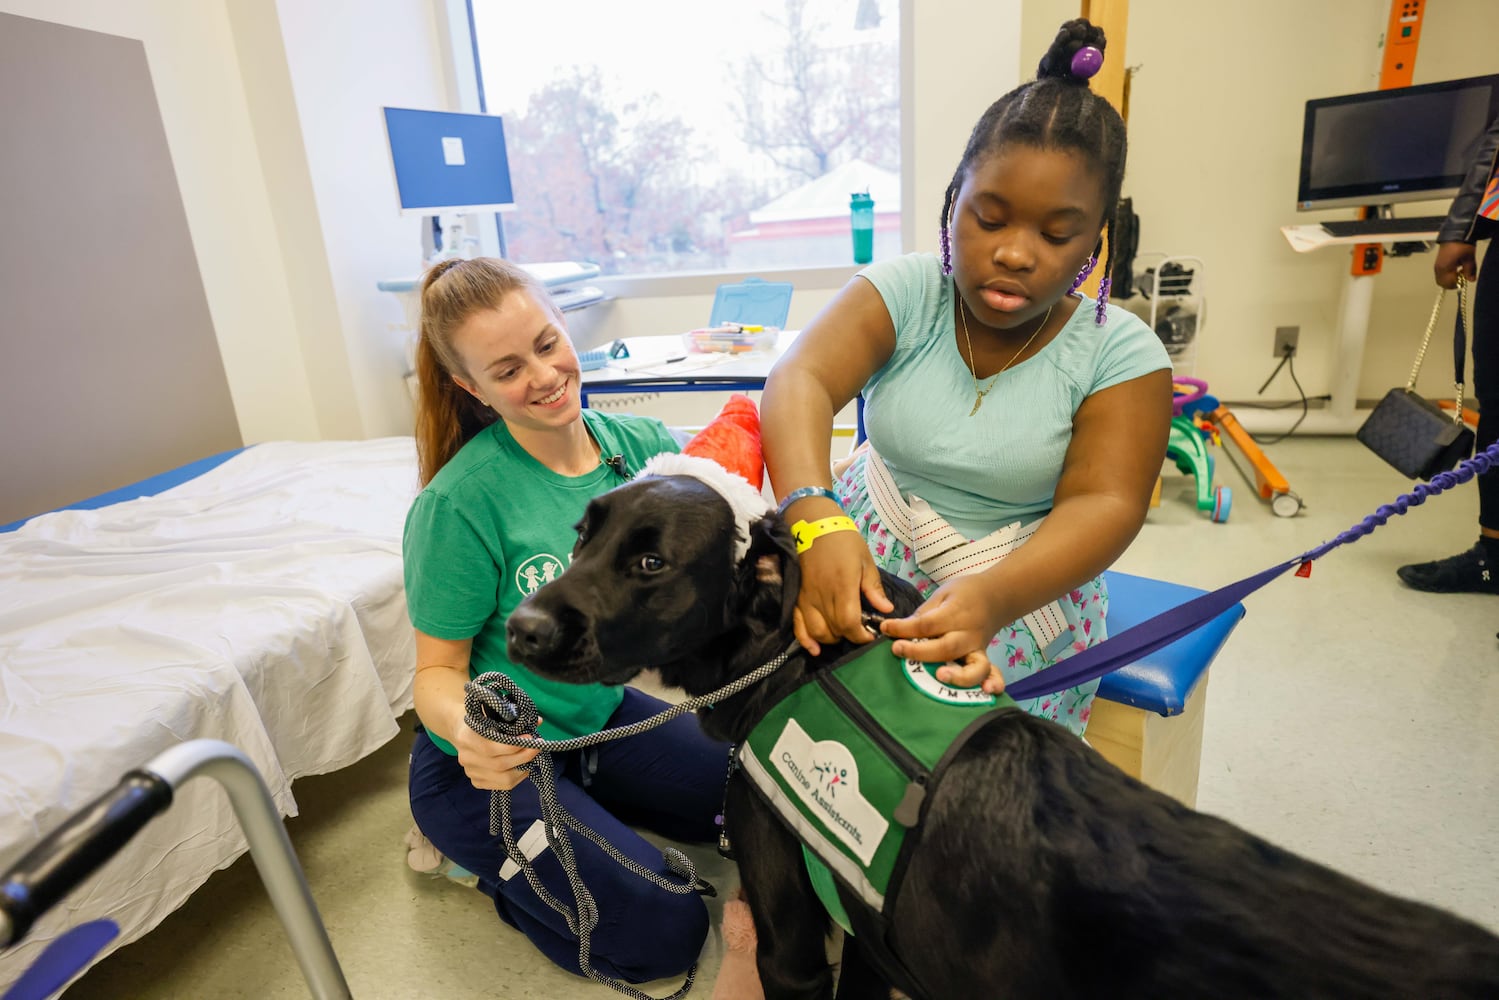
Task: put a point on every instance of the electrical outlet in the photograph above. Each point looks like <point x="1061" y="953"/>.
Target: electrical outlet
<point x="1285" y="340"/>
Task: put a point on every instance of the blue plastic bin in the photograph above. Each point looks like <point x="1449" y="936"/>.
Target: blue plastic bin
<point x="754" y="302"/>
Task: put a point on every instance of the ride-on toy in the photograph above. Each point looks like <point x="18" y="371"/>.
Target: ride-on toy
<point x="1198" y="417"/>
<point x="1187" y="447"/>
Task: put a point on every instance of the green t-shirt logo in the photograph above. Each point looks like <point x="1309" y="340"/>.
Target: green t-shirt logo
<point x="493" y="527"/>
<point x="536" y="572"/>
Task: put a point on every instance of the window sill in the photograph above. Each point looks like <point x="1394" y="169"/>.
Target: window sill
<point x="686" y="283"/>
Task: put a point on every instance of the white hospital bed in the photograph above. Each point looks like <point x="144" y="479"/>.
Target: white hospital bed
<point x="259" y="602"/>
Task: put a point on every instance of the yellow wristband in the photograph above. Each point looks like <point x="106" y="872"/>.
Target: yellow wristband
<point x="807" y="532"/>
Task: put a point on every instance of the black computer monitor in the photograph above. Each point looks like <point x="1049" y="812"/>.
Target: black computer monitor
<point x="1385" y="146"/>
<point x="448" y="161"/>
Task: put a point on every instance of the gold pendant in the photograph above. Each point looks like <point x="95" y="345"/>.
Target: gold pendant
<point x="978" y="400"/>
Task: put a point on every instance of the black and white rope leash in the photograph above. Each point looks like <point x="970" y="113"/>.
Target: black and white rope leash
<point x="496" y="708"/>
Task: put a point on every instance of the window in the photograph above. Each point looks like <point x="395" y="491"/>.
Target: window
<point x="666" y="136"/>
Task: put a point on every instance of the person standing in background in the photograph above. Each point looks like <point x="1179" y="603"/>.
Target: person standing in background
<point x="1474" y="216"/>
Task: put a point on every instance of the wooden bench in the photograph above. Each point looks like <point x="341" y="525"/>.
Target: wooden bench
<point x="1148" y="716"/>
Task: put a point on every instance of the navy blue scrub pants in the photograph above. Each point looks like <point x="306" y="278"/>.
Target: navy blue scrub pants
<point x="669" y="780"/>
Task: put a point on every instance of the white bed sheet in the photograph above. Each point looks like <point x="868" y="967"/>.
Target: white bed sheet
<point x="261" y="603"/>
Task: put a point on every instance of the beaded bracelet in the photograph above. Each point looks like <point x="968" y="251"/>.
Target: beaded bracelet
<point x="803" y="493"/>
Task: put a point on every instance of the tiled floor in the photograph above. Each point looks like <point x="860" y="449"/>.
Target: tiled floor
<point x="1349" y="719"/>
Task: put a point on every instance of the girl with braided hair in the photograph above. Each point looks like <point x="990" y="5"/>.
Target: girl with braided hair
<point x="1016" y="427"/>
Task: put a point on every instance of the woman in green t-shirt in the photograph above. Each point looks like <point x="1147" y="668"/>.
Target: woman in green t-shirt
<point x="509" y="460"/>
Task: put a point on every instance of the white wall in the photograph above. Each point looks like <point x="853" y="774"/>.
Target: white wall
<point x="272" y="114"/>
<point x="1215" y="136"/>
<point x="965" y="55"/>
<point x="190" y="51"/>
<point x="348" y="59"/>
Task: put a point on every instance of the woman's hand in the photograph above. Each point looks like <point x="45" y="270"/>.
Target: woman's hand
<point x="836" y="572"/>
<point x="489" y="765"/>
<point x="1453" y="259"/>
<point x="955" y="622"/>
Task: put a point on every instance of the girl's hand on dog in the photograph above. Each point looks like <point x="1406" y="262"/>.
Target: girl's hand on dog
<point x="971" y="670"/>
<point x="955" y="624"/>
<point x="836" y="571"/>
<point x="489" y="765"/>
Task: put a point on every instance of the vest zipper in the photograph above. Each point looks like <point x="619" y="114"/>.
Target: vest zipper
<point x="908" y="812"/>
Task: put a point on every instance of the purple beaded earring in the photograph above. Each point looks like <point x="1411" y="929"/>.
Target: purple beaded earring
<point x="1082" y="275"/>
<point x="946" y="241"/>
<point x="1100" y="311"/>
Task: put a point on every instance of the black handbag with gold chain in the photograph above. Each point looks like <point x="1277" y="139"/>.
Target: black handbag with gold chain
<point x="1409" y="431"/>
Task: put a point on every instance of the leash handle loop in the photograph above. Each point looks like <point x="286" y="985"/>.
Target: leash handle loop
<point x="498" y="709"/>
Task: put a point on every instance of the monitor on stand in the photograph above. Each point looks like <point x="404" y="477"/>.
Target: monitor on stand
<point x="448" y="165"/>
<point x="1373" y="150"/>
<point x="1399" y="145"/>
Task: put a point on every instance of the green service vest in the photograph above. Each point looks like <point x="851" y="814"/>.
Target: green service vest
<point x="848" y="759"/>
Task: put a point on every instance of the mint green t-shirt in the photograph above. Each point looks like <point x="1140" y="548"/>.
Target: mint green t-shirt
<point x="495" y="524"/>
<point x="1002" y="464"/>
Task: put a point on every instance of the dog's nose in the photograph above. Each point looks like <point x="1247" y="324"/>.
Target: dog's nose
<point x="530" y="633"/>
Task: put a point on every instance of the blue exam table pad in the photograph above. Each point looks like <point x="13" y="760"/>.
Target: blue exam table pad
<point x="1162" y="681"/>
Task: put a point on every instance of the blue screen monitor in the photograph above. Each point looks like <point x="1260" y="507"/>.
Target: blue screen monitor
<point x="447" y="161"/>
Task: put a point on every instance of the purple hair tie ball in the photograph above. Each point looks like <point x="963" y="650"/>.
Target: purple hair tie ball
<point x="1086" y="62"/>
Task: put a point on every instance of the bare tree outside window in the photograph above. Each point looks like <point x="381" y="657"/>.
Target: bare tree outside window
<point x="810" y="105"/>
<point x="729" y="140"/>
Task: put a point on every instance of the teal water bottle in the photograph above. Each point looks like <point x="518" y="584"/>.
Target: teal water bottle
<point x="861" y="214"/>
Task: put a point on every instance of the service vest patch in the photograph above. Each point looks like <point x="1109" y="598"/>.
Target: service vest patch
<point x="848" y="758"/>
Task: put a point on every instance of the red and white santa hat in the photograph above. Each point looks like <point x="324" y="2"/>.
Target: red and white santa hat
<point x="726" y="456"/>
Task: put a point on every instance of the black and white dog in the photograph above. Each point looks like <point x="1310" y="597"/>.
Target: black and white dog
<point x="1043" y="870"/>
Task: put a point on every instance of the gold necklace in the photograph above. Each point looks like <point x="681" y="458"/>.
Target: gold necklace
<point x="980" y="393"/>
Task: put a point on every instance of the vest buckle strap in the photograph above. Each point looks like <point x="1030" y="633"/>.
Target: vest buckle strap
<point x="943" y="553"/>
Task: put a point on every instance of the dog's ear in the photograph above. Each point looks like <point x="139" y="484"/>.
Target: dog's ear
<point x="769" y="576"/>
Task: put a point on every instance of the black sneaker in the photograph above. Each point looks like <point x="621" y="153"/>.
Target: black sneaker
<point x="1472" y="572"/>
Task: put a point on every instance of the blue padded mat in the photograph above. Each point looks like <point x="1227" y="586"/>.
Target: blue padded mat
<point x="145" y="488"/>
<point x="1162" y="681"/>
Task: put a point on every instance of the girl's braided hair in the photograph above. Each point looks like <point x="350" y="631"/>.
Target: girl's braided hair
<point x="1057" y="110"/>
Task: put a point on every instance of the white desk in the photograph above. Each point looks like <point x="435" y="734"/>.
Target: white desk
<point x="663" y="364"/>
<point x="1342" y="415"/>
<point x="1304" y="239"/>
<point x="657" y="363"/>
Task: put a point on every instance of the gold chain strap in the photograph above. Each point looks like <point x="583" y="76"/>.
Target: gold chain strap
<point x="1431" y="325"/>
<point x="1465" y="314"/>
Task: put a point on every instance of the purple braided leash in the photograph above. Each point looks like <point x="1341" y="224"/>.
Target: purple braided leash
<point x="1165" y="628"/>
<point x="1483" y="462"/>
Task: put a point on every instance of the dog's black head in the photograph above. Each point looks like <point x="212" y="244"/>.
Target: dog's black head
<point x="656" y="581"/>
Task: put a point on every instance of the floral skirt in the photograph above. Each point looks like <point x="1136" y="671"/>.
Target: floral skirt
<point x="1014" y="650"/>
